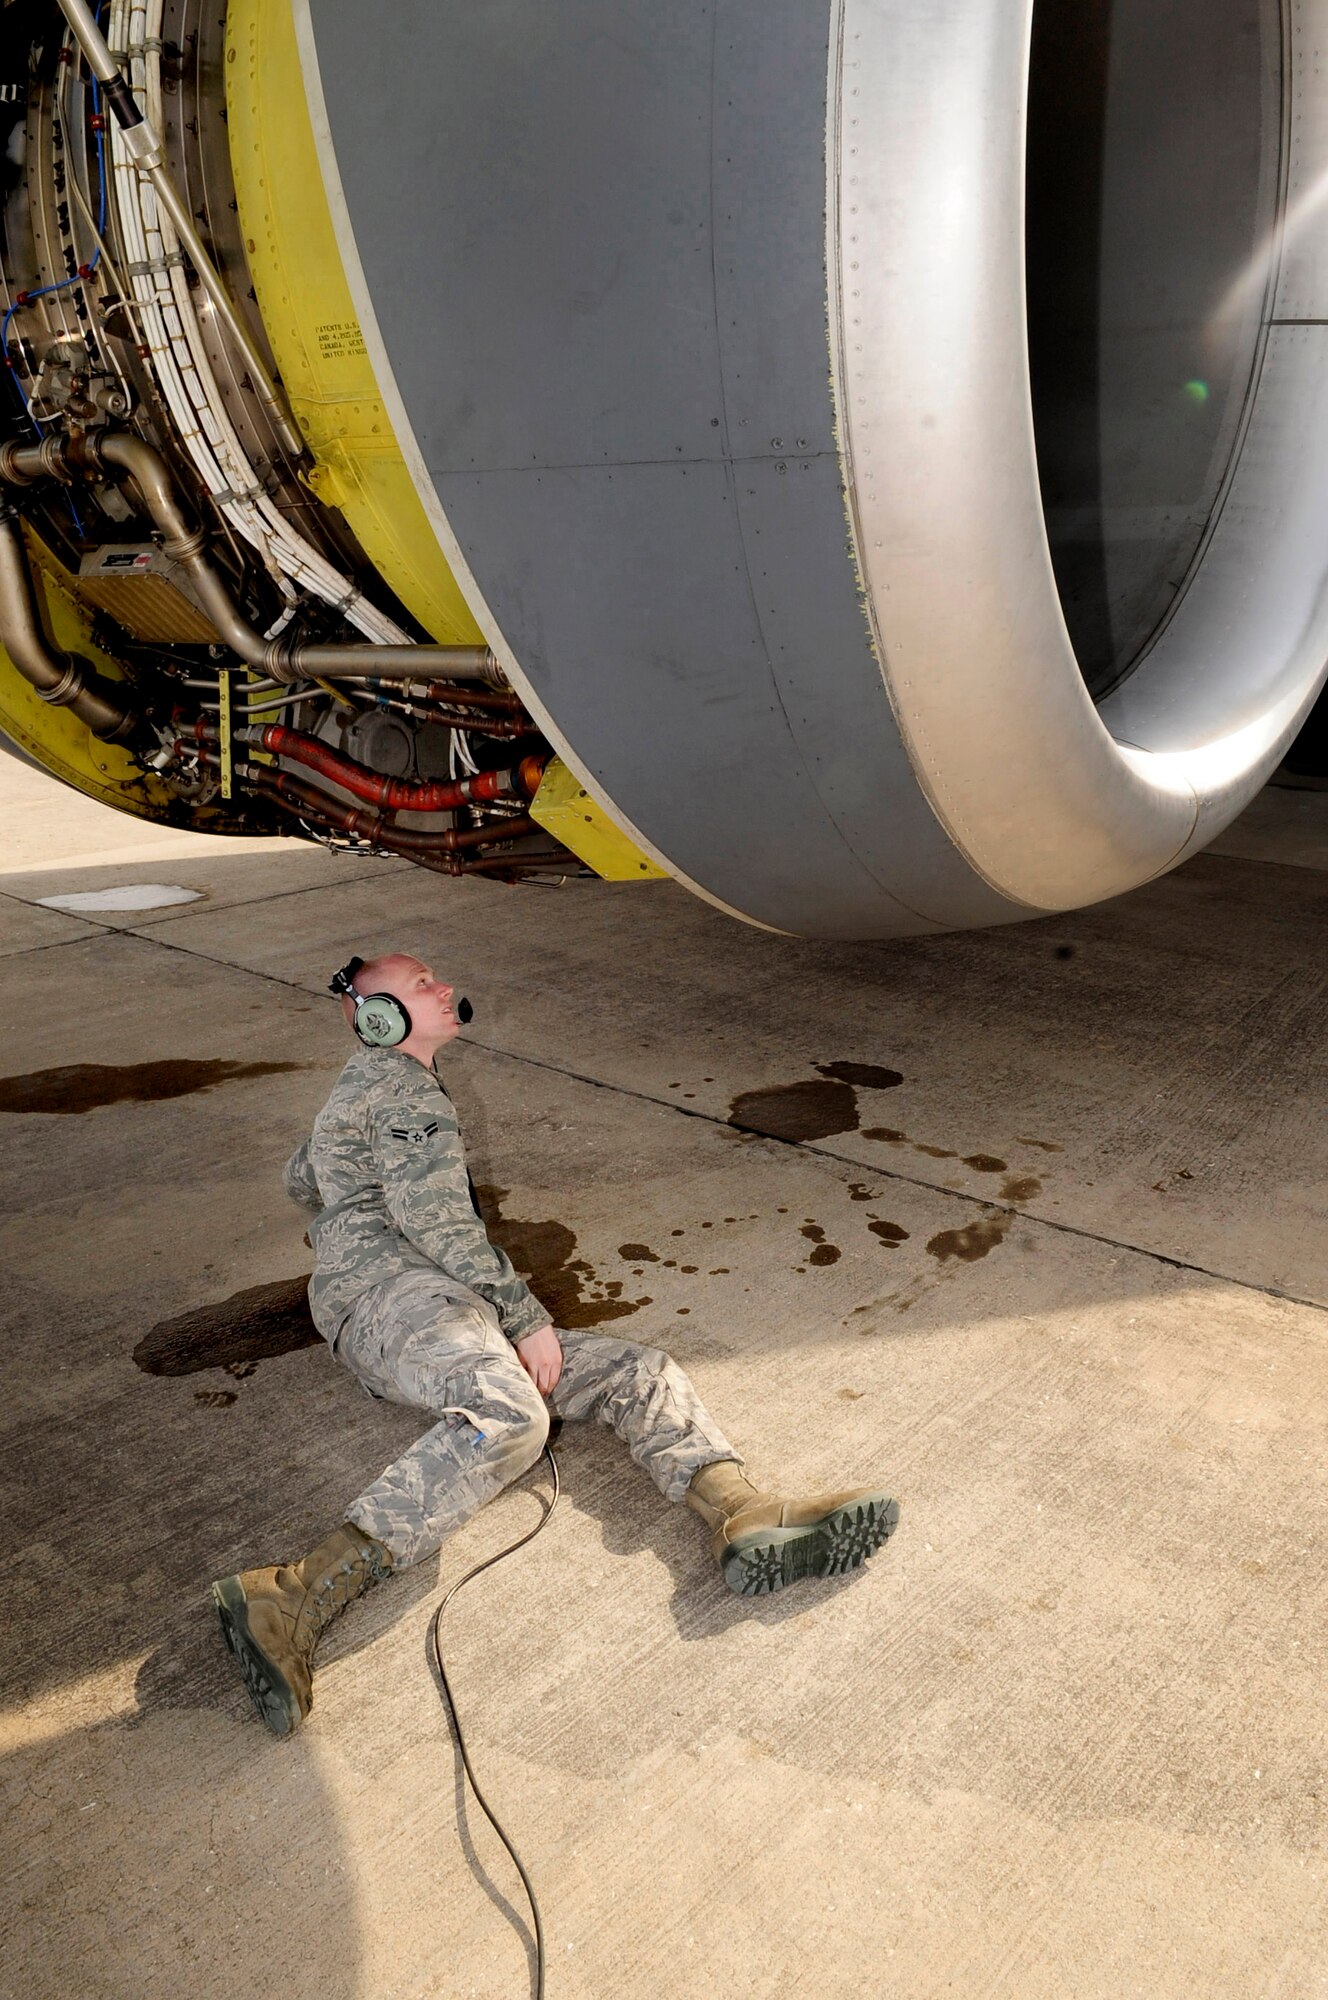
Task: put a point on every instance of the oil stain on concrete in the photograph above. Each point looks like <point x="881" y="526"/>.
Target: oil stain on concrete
<point x="797" y="1111"/>
<point x="889" y="1233"/>
<point x="824" y="1253"/>
<point x="544" y="1254"/>
<point x="976" y="1239"/>
<point x="236" y="1333"/>
<point x="1020" y="1187"/>
<point x="978" y="1163"/>
<point x="888" y="1136"/>
<point x="862" y="1076"/>
<point x="79" y="1087"/>
<point x="811" y="1110"/>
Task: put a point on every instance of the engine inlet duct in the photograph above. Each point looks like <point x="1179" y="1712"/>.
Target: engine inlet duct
<point x="865" y="458"/>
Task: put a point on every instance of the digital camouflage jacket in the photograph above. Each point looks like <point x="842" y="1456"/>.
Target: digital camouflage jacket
<point x="385" y="1173"/>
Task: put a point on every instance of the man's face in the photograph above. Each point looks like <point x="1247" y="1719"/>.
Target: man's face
<point x="426" y="999"/>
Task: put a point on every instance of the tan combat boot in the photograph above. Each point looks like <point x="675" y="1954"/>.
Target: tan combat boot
<point x="762" y="1543"/>
<point x="271" y="1619"/>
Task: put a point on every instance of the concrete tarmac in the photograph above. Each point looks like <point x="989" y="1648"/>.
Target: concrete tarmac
<point x="1027" y="1224"/>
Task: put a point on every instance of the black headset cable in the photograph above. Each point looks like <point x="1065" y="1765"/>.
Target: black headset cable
<point x="446" y="1694"/>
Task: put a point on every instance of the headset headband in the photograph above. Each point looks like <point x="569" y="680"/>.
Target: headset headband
<point x="343" y="982"/>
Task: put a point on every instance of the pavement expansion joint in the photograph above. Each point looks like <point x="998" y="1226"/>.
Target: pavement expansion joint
<point x="804" y="1147"/>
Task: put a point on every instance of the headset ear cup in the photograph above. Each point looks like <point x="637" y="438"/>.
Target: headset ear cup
<point x="381" y="1022"/>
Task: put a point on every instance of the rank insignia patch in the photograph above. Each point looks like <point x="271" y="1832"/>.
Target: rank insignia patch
<point x="417" y="1135"/>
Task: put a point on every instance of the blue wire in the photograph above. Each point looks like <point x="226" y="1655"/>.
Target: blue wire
<point x="27" y="298"/>
<point x="101" y="163"/>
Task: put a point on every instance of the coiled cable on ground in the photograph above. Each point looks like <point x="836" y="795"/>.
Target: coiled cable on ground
<point x="445" y="1692"/>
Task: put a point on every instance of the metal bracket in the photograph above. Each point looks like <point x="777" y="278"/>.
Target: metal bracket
<point x="224" y="732"/>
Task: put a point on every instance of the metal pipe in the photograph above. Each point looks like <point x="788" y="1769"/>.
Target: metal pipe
<point x="65" y="680"/>
<point x="122" y="454"/>
<point x="145" y="150"/>
<point x="492" y="722"/>
<point x="498" y="697"/>
<point x="281" y="659"/>
<point x="457" y="840"/>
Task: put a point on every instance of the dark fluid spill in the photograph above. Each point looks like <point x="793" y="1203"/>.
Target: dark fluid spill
<point x="797" y="1111"/>
<point x="886" y="1134"/>
<point x="859" y="1190"/>
<point x="984" y="1163"/>
<point x="976" y="1240"/>
<point x="236" y="1334"/>
<point x="1020" y="1187"/>
<point x="1043" y="1145"/>
<point x="637" y="1253"/>
<point x="545" y="1255"/>
<point x="824" y="1253"/>
<point x="82" y="1087"/>
<point x="935" y="1152"/>
<point x="890" y="1233"/>
<point x="215" y="1399"/>
<point x="863" y="1076"/>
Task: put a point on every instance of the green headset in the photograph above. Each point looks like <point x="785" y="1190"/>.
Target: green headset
<point x="380" y="1020"/>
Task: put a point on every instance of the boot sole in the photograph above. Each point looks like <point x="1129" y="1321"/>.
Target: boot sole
<point x="773" y="1558"/>
<point x="268" y="1689"/>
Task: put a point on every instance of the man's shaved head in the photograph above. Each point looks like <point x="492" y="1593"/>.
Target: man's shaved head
<point x="388" y="974"/>
<point x="427" y="1000"/>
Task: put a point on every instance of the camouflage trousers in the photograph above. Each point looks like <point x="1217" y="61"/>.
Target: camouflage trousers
<point x="428" y="1341"/>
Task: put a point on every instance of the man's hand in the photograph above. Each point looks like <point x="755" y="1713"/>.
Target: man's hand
<point x="541" y="1355"/>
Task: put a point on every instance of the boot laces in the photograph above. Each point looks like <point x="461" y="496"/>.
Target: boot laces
<point x="334" y="1589"/>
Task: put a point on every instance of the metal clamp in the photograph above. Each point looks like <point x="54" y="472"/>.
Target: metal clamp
<point x="148" y="266"/>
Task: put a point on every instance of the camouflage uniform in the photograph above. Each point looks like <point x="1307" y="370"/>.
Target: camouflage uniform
<point x="415" y="1300"/>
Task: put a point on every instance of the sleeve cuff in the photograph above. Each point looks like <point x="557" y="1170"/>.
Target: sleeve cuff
<point x="526" y="1318"/>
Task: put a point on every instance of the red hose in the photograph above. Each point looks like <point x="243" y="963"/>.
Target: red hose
<point x="449" y="853"/>
<point x="394" y="794"/>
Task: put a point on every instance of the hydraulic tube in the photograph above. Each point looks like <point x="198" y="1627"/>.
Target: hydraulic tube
<point x="65" y="680"/>
<point x="281" y="659"/>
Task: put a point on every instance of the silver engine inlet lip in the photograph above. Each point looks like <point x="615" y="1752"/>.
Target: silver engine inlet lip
<point x="797" y="627"/>
<point x="1054" y="802"/>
